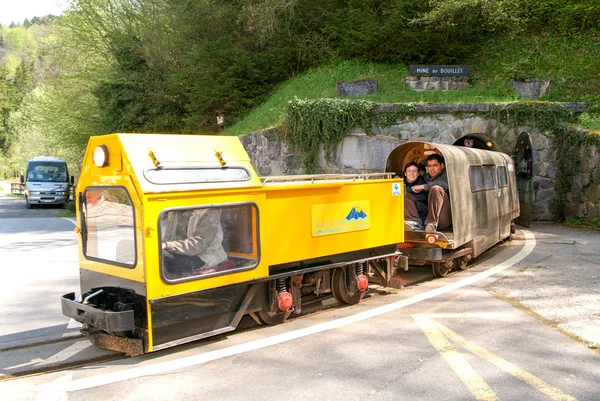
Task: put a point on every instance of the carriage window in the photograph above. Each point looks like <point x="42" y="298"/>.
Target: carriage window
<point x="109" y="226"/>
<point x="489" y="177"/>
<point x="476" y="178"/>
<point x="207" y="241"/>
<point x="502" y="177"/>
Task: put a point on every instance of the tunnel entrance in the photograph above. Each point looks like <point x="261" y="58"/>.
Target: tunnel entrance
<point x="476" y="141"/>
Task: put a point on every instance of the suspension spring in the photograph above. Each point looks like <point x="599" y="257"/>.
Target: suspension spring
<point x="281" y="285"/>
<point x="359" y="269"/>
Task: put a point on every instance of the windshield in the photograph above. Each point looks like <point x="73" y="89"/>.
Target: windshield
<point x="47" y="171"/>
<point x="199" y="175"/>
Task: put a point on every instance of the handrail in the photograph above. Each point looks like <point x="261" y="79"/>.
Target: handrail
<point x="327" y="177"/>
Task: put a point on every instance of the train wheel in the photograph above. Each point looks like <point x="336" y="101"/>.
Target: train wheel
<point x="434" y="270"/>
<point x="463" y="262"/>
<point x="265" y="318"/>
<point x="339" y="288"/>
<point x="441" y="269"/>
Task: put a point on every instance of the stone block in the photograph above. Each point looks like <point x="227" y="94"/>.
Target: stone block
<point x="386" y="107"/>
<point x="362" y="152"/>
<point x="547" y="155"/>
<point x="532" y="88"/>
<point x="416" y="85"/>
<point x="249" y="142"/>
<point x="278" y="167"/>
<point x="264" y="170"/>
<point x="551" y="169"/>
<point x="569" y="197"/>
<point x="593" y="212"/>
<point x="544" y="195"/>
<point x="357" y="88"/>
<point x="391" y="131"/>
<point x="591" y="193"/>
<point x="428" y="131"/>
<point x="539" y="168"/>
<point x="273" y="149"/>
<point x="544" y="183"/>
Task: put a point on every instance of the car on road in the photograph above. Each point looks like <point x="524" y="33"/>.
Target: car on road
<point x="46" y="182"/>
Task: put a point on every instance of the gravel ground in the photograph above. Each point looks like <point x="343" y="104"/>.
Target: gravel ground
<point x="560" y="280"/>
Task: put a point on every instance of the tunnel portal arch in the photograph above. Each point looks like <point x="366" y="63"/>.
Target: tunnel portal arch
<point x="476" y="141"/>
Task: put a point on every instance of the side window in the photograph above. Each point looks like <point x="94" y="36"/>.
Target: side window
<point x="489" y="177"/>
<point x="109" y="225"/>
<point x="207" y="241"/>
<point x="502" y="176"/>
<point x="476" y="178"/>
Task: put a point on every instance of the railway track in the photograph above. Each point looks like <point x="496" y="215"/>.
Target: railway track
<point x="74" y="350"/>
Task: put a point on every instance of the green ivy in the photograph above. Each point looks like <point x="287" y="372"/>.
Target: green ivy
<point x="567" y="140"/>
<point x="313" y="123"/>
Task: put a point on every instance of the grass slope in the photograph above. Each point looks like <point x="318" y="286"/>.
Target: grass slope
<point x="573" y="65"/>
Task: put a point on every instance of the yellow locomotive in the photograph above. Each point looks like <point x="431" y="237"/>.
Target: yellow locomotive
<point x="179" y="239"/>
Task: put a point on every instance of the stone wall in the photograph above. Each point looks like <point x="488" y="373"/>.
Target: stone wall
<point x="437" y="83"/>
<point x="584" y="199"/>
<point x="441" y="123"/>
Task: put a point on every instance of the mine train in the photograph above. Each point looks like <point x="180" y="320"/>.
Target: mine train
<point x="269" y="245"/>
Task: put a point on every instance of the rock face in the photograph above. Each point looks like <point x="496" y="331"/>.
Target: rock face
<point x="357" y="88"/>
<point x="532" y="88"/>
<point x="362" y="153"/>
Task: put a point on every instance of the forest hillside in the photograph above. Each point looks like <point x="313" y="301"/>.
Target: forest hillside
<point x="172" y="65"/>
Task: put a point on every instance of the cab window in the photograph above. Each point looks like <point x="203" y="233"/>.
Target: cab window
<point x="208" y="241"/>
<point x="109" y="226"/>
<point x="196" y="175"/>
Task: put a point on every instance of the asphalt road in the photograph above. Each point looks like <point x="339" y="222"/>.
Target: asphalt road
<point x="38" y="258"/>
<point x="447" y="339"/>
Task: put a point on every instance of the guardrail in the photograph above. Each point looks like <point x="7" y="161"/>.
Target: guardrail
<point x="17" y="188"/>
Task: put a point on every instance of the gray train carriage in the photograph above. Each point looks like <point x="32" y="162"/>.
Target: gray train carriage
<point x="483" y="198"/>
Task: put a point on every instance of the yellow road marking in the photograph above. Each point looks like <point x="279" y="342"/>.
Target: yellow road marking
<point x="439" y="330"/>
<point x="475" y="383"/>
<point x="491" y="315"/>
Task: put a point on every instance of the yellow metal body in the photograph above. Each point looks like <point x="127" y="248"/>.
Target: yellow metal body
<point x="297" y="220"/>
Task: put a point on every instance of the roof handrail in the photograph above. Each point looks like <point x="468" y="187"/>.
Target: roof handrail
<point x="312" y="178"/>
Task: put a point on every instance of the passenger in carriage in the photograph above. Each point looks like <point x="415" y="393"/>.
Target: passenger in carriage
<point x="192" y="241"/>
<point x="439" y="214"/>
<point x="412" y="177"/>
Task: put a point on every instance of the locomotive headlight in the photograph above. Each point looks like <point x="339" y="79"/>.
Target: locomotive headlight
<point x="100" y="156"/>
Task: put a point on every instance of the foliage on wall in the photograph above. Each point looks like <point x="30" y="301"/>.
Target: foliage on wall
<point x="313" y="123"/>
<point x="559" y="123"/>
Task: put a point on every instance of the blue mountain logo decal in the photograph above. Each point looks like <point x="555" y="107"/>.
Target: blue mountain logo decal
<point x="356" y="215"/>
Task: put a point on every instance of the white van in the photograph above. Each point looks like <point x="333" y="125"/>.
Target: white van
<point x="47" y="182"/>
